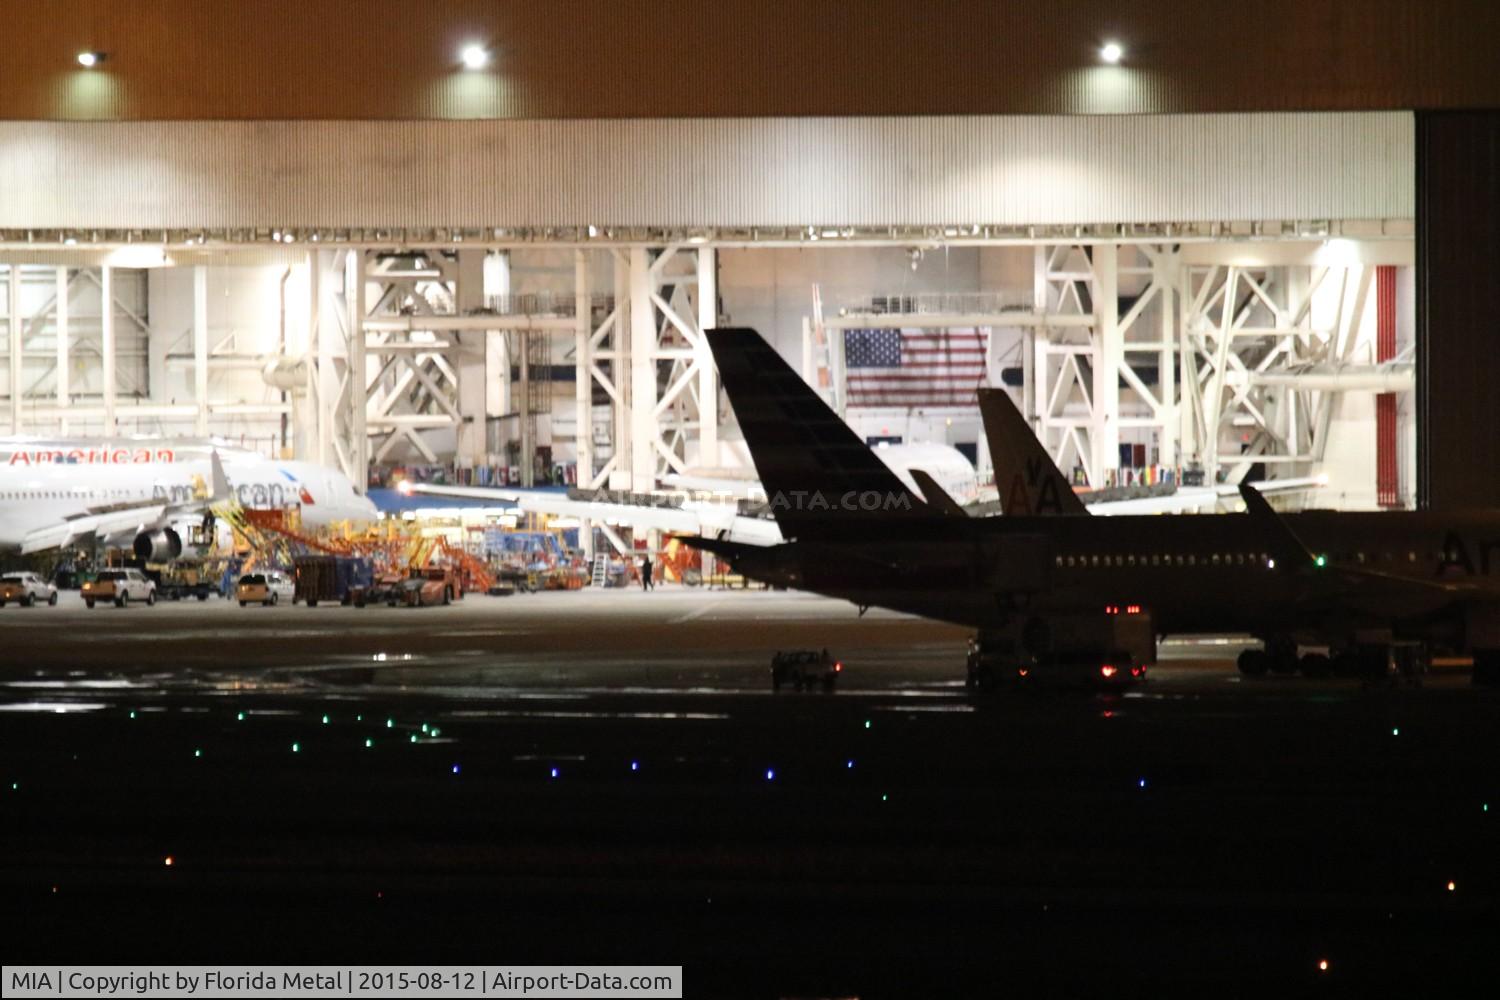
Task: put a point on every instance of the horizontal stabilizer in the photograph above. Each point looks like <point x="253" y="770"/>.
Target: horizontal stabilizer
<point x="937" y="497"/>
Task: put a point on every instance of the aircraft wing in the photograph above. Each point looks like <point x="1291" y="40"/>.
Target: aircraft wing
<point x="132" y="516"/>
<point x="688" y="518"/>
<point x="732" y="486"/>
<point x="137" y="517"/>
<point x="1189" y="499"/>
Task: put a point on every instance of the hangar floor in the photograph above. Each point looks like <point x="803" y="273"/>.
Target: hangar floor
<point x="597" y="777"/>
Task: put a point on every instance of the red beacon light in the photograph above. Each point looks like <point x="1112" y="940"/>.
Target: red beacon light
<point x="838" y="666"/>
<point x="1133" y="609"/>
<point x="1109" y="670"/>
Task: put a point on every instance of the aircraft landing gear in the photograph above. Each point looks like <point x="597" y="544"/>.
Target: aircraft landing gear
<point x="1486" y="668"/>
<point x="1315" y="665"/>
<point x="1253" y="663"/>
<point x="1282" y="653"/>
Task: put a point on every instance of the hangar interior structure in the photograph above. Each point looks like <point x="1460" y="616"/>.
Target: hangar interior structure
<point x="1229" y="294"/>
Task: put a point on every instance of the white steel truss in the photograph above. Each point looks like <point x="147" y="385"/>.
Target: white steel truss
<point x="674" y="396"/>
<point x="1262" y="363"/>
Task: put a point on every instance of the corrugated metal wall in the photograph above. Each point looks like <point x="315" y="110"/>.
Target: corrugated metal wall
<point x="1458" y="287"/>
<point x="721" y="172"/>
<point x="383" y="59"/>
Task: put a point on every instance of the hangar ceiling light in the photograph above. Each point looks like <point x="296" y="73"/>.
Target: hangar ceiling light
<point x="475" y="57"/>
<point x="88" y="60"/>
<point x="1111" y="52"/>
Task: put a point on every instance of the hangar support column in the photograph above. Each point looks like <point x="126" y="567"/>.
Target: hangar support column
<point x="470" y="361"/>
<point x="708" y="372"/>
<point x="359" y="440"/>
<point x="13" y="303"/>
<point x="107" y="344"/>
<point x="63" y="390"/>
<point x="200" y="350"/>
<point x="1458" y="283"/>
<point x="1109" y="356"/>
<point x="643" y="429"/>
<point x="671" y="296"/>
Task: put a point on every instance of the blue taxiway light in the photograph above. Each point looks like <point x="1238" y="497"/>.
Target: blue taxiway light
<point x="635" y="766"/>
<point x="770" y="774"/>
<point x="455" y="768"/>
<point x="554" y="772"/>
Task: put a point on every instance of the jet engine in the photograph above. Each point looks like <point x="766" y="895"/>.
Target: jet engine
<point x="158" y="546"/>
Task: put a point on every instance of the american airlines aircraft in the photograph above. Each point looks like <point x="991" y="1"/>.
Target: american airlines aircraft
<point x="138" y="491"/>
<point x="1367" y="586"/>
<point x="719" y="513"/>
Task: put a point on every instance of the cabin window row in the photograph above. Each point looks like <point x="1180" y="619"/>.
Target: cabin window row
<point x="67" y="494"/>
<point x="1222" y="559"/>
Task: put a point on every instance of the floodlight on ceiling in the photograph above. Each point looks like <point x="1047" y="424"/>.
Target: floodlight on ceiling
<point x="475" y="57"/>
<point x="88" y="60"/>
<point x="1111" y="52"/>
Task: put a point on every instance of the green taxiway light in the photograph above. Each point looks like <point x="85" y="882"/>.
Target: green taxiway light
<point x="132" y="715"/>
<point x="296" y="747"/>
<point x="414" y="737"/>
<point x="240" y="717"/>
<point x="325" y="720"/>
<point x="369" y="744"/>
<point x="390" y="723"/>
<point x="1321" y="560"/>
<point x="197" y="753"/>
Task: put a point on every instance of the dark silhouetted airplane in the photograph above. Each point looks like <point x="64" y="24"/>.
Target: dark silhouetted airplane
<point x="1373" y="588"/>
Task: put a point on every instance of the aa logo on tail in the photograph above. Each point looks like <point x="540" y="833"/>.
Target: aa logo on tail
<point x="1036" y="491"/>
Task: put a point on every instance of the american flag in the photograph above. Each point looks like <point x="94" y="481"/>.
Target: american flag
<point x="913" y="367"/>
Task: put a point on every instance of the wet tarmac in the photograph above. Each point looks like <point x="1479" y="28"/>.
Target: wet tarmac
<point x="593" y="777"/>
